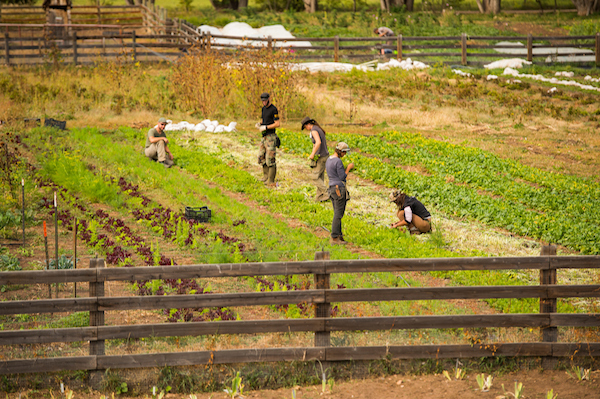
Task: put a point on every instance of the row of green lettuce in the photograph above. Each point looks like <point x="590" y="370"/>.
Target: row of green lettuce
<point x="473" y="183"/>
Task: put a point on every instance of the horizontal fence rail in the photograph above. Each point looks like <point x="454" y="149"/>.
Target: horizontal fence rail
<point x="322" y="324"/>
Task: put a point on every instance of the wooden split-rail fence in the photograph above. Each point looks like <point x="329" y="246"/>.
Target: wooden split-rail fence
<point x="145" y="33"/>
<point x="322" y="324"/>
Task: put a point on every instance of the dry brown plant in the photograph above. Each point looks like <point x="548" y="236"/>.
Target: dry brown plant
<point x="265" y="70"/>
<point x="202" y="81"/>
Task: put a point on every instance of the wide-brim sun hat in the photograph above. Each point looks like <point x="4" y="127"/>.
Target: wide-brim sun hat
<point x="306" y="121"/>
<point x="342" y="146"/>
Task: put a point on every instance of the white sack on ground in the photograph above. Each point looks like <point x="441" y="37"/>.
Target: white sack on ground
<point x="326" y="67"/>
<point x="507" y="63"/>
<point x="461" y="73"/>
<point x="406" y="64"/>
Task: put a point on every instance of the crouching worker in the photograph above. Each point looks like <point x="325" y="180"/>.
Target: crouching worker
<point x="411" y="213"/>
<point x="157" y="144"/>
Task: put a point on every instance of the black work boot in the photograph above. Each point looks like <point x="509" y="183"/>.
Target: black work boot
<point x="272" y="174"/>
<point x="265" y="173"/>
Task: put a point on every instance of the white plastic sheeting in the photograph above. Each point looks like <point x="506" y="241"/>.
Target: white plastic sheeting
<point x="554" y="54"/>
<point x="507" y="63"/>
<point x="243" y="30"/>
<point x="312" y="67"/>
<point x="515" y="73"/>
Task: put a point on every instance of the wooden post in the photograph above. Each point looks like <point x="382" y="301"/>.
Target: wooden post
<point x="548" y="305"/>
<point x="270" y="43"/>
<point x="75" y="48"/>
<point x="75" y="253"/>
<point x="597" y="49"/>
<point x="208" y="40"/>
<point x="97" y="317"/>
<point x="463" y="46"/>
<point x="529" y="47"/>
<point x="99" y="15"/>
<point x="6" y="48"/>
<point x="47" y="259"/>
<point x="56" y="238"/>
<point x="322" y="310"/>
<point x="134" y="55"/>
<point x="399" y="48"/>
<point x="336" y="49"/>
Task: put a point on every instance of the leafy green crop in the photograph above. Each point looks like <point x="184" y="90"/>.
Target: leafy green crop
<point x="468" y="182"/>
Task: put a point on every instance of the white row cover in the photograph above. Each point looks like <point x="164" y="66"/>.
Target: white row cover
<point x="242" y="29"/>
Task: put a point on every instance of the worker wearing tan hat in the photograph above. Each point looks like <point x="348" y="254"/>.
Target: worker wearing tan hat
<point x="337" y="189"/>
<point x="157" y="148"/>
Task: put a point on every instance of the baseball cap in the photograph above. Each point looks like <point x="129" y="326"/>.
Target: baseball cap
<point x="162" y="120"/>
<point x="265" y="96"/>
<point x="306" y="121"/>
<point x="342" y="146"/>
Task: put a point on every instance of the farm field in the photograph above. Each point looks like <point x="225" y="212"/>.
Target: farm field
<point x="505" y="167"/>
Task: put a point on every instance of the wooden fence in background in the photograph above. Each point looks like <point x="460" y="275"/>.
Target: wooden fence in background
<point x="29" y="39"/>
<point x="547" y="320"/>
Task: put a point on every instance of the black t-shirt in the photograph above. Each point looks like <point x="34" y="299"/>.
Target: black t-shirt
<point x="417" y="207"/>
<point x="269" y="116"/>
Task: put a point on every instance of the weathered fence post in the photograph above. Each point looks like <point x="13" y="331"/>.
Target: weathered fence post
<point x="134" y="54"/>
<point x="75" y="244"/>
<point x="322" y="310"/>
<point x="463" y="48"/>
<point x="99" y="15"/>
<point x="75" y="48"/>
<point x="529" y="47"/>
<point x="399" y="48"/>
<point x="336" y="49"/>
<point x="96" y="319"/>
<point x="6" y="48"/>
<point x="548" y="305"/>
<point x="597" y="49"/>
<point x="270" y="43"/>
<point x="97" y="316"/>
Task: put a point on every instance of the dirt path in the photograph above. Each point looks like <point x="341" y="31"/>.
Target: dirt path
<point x="536" y="384"/>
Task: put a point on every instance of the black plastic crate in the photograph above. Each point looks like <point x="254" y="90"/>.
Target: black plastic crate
<point x="62" y="125"/>
<point x="201" y="214"/>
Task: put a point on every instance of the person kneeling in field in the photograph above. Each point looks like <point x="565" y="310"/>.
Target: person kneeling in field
<point x="157" y="144"/>
<point x="411" y="212"/>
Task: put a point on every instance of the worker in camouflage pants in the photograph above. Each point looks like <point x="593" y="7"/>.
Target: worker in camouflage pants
<point x="269" y="142"/>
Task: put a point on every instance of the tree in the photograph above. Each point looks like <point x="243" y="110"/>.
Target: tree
<point x="586" y="7"/>
<point x="387" y="5"/>
<point x="489" y="6"/>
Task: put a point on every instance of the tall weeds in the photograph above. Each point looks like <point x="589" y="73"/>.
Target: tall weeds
<point x="212" y="83"/>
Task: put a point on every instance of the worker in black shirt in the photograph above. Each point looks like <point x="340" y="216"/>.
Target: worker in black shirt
<point x="268" y="144"/>
<point x="411" y="213"/>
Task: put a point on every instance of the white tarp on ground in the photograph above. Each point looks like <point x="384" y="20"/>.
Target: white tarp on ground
<point x="242" y="29"/>
<point x="507" y="63"/>
<point x="515" y="73"/>
<point x="554" y="54"/>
